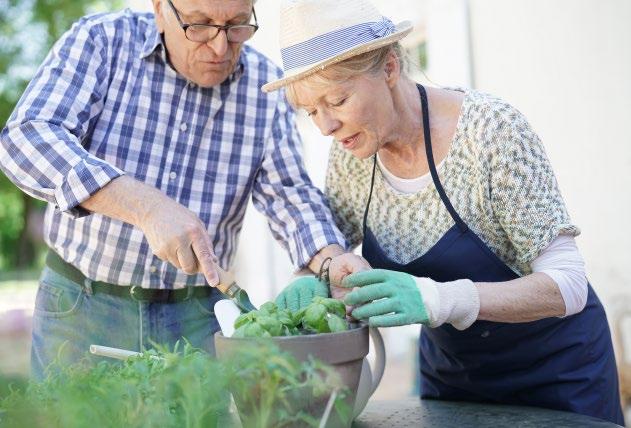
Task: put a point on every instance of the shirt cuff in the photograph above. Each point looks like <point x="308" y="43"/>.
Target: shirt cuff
<point x="82" y="181"/>
<point x="310" y="239"/>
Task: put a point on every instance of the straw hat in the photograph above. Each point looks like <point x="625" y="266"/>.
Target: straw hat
<point x="317" y="33"/>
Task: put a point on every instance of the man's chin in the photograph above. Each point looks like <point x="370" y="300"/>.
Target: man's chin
<point x="210" y="78"/>
<point x="210" y="81"/>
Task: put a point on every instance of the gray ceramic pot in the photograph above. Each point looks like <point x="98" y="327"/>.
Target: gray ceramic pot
<point x="345" y="352"/>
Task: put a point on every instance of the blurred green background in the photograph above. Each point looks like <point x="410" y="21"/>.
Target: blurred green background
<point x="28" y="29"/>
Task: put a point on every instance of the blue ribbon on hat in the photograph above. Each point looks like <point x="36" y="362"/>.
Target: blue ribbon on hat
<point x="331" y="44"/>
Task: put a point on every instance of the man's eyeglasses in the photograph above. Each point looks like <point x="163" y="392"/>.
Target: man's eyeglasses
<point x="203" y="33"/>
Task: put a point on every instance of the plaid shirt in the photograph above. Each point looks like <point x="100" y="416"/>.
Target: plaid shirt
<point x="105" y="103"/>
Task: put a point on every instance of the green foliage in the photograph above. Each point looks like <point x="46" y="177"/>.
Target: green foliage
<point x="28" y="29"/>
<point x="172" y="390"/>
<point x="184" y="388"/>
<point x="11" y="220"/>
<point x="272" y="389"/>
<point x="323" y="315"/>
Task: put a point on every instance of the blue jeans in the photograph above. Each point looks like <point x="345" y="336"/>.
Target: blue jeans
<point x="68" y="319"/>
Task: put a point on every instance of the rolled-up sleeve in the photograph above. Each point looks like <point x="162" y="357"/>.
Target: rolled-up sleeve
<point x="298" y="214"/>
<point x="42" y="146"/>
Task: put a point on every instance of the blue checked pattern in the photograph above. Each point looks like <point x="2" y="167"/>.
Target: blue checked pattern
<point x="105" y="103"/>
<point x="334" y="43"/>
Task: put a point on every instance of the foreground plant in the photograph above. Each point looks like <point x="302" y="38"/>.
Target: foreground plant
<point x="172" y="389"/>
<point x="183" y="388"/>
<point x="272" y="389"/>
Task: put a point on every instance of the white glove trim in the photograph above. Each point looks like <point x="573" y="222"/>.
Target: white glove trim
<point x="456" y="302"/>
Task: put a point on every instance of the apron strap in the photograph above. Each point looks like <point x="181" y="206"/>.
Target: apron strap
<point x="430" y="160"/>
<point x="372" y="184"/>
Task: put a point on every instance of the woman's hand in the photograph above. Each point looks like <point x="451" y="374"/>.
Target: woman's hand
<point x="389" y="298"/>
<point x="342" y="266"/>
<point x="300" y="292"/>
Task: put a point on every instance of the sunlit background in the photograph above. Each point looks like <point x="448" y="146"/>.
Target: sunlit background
<point x="565" y="64"/>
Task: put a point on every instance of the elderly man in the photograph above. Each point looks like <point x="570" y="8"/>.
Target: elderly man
<point x="147" y="134"/>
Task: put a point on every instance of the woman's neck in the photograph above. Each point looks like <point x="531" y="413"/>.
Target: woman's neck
<point x="404" y="151"/>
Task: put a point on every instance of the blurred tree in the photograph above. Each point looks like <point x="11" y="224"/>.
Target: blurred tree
<point x="28" y="29"/>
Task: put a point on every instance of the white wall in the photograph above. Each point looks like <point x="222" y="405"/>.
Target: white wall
<point x="567" y="65"/>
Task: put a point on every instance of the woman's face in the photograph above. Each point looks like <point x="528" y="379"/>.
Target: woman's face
<point x="358" y="113"/>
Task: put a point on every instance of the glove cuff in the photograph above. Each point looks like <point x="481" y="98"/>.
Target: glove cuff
<point x="459" y="303"/>
<point x="431" y="300"/>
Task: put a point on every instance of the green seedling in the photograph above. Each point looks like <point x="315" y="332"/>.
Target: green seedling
<point x="323" y="315"/>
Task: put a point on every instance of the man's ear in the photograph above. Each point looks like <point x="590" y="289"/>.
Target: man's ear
<point x="158" y="12"/>
<point x="392" y="68"/>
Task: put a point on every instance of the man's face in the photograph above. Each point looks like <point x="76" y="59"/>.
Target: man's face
<point x="207" y="64"/>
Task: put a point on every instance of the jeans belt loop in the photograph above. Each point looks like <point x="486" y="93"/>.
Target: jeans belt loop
<point x="87" y="286"/>
<point x="133" y="291"/>
<point x="189" y="293"/>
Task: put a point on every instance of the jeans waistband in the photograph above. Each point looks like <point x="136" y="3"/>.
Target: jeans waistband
<point x="134" y="292"/>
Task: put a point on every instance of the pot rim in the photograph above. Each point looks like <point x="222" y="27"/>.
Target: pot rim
<point x="355" y="328"/>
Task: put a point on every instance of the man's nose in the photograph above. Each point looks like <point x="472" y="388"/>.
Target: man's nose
<point x="219" y="44"/>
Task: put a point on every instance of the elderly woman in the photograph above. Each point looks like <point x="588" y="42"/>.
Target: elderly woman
<point x="458" y="211"/>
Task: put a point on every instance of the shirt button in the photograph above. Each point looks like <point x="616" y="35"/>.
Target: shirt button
<point x="485" y="333"/>
<point x="183" y="127"/>
<point x="172" y="175"/>
<point x="153" y="269"/>
<point x="191" y="85"/>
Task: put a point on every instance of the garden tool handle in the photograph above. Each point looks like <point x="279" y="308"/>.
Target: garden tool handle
<point x="117" y="353"/>
<point x="229" y="288"/>
<point x="226" y="280"/>
<point x="106" y="351"/>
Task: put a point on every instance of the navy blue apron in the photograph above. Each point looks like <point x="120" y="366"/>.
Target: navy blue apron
<point x="558" y="363"/>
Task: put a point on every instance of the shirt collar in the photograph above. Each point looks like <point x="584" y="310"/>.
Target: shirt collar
<point x="152" y="39"/>
<point x="153" y="43"/>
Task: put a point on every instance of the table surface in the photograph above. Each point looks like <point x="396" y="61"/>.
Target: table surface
<point x="417" y="413"/>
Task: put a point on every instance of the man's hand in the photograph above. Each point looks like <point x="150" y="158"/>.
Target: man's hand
<point x="174" y="232"/>
<point x="176" y="235"/>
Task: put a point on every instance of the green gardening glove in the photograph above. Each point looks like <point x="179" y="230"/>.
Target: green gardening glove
<point x="299" y="293"/>
<point x="387" y="298"/>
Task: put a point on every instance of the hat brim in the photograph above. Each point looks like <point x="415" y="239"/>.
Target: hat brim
<point x="402" y="30"/>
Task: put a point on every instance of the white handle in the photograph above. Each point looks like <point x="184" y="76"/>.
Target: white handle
<point x="380" y="358"/>
<point x="119" y="354"/>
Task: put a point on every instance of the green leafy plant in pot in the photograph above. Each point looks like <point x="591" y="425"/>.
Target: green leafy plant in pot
<point x="318" y="332"/>
<point x="273" y="389"/>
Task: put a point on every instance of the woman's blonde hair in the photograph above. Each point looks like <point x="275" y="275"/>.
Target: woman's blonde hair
<point x="371" y="62"/>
